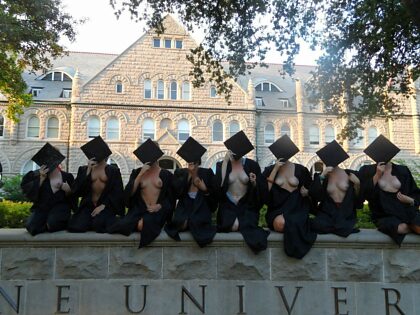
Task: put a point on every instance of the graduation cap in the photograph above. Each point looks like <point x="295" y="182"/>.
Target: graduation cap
<point x="381" y="150"/>
<point x="148" y="152"/>
<point x="332" y="154"/>
<point x="239" y="144"/>
<point x="283" y="148"/>
<point x="191" y="150"/>
<point x="97" y="149"/>
<point x="49" y="156"/>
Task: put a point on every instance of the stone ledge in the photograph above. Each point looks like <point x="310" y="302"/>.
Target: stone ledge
<point x="364" y="239"/>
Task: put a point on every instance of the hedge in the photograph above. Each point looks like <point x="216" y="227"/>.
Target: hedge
<point x="14" y="214"/>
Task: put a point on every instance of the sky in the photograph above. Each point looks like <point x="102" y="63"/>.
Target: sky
<point x="103" y="33"/>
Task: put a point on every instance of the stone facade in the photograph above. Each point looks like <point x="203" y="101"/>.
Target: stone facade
<point x="152" y="84"/>
<point x="92" y="273"/>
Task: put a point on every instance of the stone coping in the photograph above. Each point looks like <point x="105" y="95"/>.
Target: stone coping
<point x="366" y="238"/>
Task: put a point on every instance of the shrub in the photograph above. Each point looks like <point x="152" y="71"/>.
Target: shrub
<point x="14" y="214"/>
<point x="11" y="189"/>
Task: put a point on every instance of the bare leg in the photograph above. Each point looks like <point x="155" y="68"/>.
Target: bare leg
<point x="279" y="223"/>
<point x="140" y="225"/>
<point x="235" y="226"/>
<point x="403" y="228"/>
<point x="415" y="228"/>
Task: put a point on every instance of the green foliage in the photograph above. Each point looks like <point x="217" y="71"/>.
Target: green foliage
<point x="262" y="222"/>
<point x="14" y="214"/>
<point x="11" y="189"/>
<point x="414" y="167"/>
<point x="364" y="219"/>
<point x="30" y="31"/>
<point x="370" y="48"/>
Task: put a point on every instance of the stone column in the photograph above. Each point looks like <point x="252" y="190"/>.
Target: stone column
<point x="415" y="112"/>
<point x="300" y="116"/>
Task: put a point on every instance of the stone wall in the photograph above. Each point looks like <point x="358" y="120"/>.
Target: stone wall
<point x="106" y="274"/>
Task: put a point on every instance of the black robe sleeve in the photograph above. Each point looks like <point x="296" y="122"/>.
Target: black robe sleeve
<point x="30" y="185"/>
<point x="113" y="195"/>
<point x="129" y="198"/>
<point x="81" y="185"/>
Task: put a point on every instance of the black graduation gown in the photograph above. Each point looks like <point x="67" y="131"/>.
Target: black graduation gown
<point x="387" y="211"/>
<point x="247" y="210"/>
<point x="298" y="237"/>
<point x="197" y="212"/>
<point x="339" y="219"/>
<point x="50" y="211"/>
<point x="137" y="209"/>
<point x="111" y="197"/>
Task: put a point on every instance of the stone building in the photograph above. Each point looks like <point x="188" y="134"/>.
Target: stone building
<point x="146" y="91"/>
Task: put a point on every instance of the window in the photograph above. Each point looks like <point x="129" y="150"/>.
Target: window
<point x="36" y="91"/>
<point x="174" y="90"/>
<point x="372" y="134"/>
<point x="1" y="126"/>
<point x="94" y="125"/>
<point x="119" y="87"/>
<point x="160" y="90"/>
<point x="178" y="44"/>
<point x="259" y="101"/>
<point x="329" y="134"/>
<point x="56" y="76"/>
<point x="113" y="129"/>
<point x="112" y="162"/>
<point x="217" y="131"/>
<point x="285" y="130"/>
<point x="29" y="166"/>
<point x="169" y="164"/>
<point x="168" y="43"/>
<point x="33" y="127"/>
<point x="358" y="141"/>
<point x="314" y="135"/>
<point x="148" y="129"/>
<point x="156" y="42"/>
<point x="52" y="127"/>
<point x="66" y="93"/>
<point x="233" y="128"/>
<point x="213" y="91"/>
<point x="147" y="89"/>
<point x="267" y="87"/>
<point x="285" y="104"/>
<point x="183" y="130"/>
<point x="269" y="134"/>
<point x="186" y="90"/>
<point x="166" y="123"/>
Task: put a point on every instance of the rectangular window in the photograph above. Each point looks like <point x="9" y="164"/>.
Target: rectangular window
<point x="66" y="93"/>
<point x="259" y="101"/>
<point x="178" y="44"/>
<point x="160" y="89"/>
<point x="168" y="43"/>
<point x="57" y="76"/>
<point x="285" y="103"/>
<point x="156" y="42"/>
<point x="36" y="92"/>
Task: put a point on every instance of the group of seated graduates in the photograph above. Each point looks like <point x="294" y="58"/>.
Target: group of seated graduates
<point x="298" y="205"/>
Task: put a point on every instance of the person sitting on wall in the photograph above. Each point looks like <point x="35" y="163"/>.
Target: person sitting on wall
<point x="148" y="196"/>
<point x="240" y="188"/>
<point x="288" y="205"/>
<point x="192" y="187"/>
<point x="391" y="191"/>
<point x="337" y="191"/>
<point x="101" y="189"/>
<point x="49" y="190"/>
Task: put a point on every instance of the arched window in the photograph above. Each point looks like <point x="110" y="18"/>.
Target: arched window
<point x="372" y="134"/>
<point x="329" y="134"/>
<point x="94" y="126"/>
<point x="214" y="165"/>
<point x="113" y="129"/>
<point x="1" y="126"/>
<point x="33" y="127"/>
<point x="119" y="87"/>
<point x="217" y="131"/>
<point x="166" y="123"/>
<point x="314" y="135"/>
<point x="160" y="90"/>
<point x="169" y="164"/>
<point x="367" y="162"/>
<point x="233" y="127"/>
<point x="186" y="93"/>
<point x="173" y="90"/>
<point x="213" y="91"/>
<point x="148" y="129"/>
<point x="285" y="130"/>
<point x="183" y="130"/>
<point x="318" y="167"/>
<point x="29" y="166"/>
<point x="112" y="162"/>
<point x="269" y="134"/>
<point x="147" y="89"/>
<point x="266" y="87"/>
<point x="53" y="127"/>
<point x="358" y="141"/>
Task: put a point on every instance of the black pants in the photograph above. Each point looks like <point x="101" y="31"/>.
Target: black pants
<point x="82" y="221"/>
<point x="56" y="219"/>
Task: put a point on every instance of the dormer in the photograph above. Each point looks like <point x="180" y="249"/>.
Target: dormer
<point x="65" y="74"/>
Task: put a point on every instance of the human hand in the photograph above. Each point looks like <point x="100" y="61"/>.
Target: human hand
<point x="304" y="192"/>
<point x="253" y="179"/>
<point x="405" y="199"/>
<point x="97" y="210"/>
<point x="229" y="155"/>
<point x="199" y="183"/>
<point x="354" y="179"/>
<point x="43" y="172"/>
<point x="380" y="168"/>
<point x="144" y="169"/>
<point x="327" y="170"/>
<point x="279" y="163"/>
<point x="66" y="188"/>
<point x="154" y="208"/>
<point x="91" y="164"/>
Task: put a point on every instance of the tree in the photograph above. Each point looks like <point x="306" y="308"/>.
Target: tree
<point x="370" y="48"/>
<point x="29" y="34"/>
